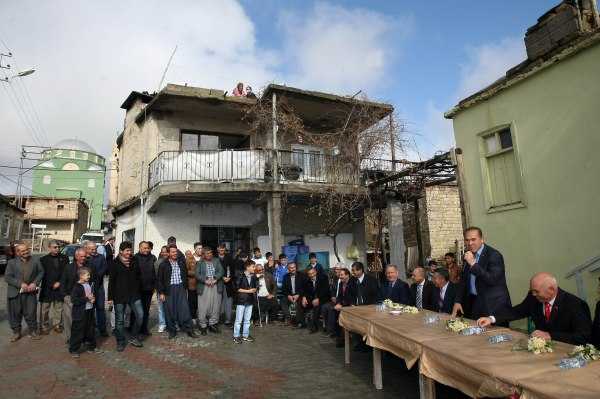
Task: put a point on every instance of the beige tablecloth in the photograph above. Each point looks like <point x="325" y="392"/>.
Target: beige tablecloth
<point x="471" y="363"/>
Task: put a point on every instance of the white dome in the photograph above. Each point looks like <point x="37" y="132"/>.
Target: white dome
<point x="74" y="144"/>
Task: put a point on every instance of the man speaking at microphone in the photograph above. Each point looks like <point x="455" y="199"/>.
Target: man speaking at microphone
<point x="483" y="288"/>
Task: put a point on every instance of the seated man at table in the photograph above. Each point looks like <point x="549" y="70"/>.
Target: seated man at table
<point x="421" y="290"/>
<point x="315" y="293"/>
<point x="557" y="314"/>
<point x="445" y="291"/>
<point x="346" y="296"/>
<point x="394" y="289"/>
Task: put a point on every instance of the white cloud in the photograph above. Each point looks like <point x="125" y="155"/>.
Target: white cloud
<point x="487" y="63"/>
<point x="339" y="49"/>
<point x="483" y="65"/>
<point x="90" y="55"/>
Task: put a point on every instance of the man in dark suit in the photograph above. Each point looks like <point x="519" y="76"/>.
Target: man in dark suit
<point x="421" y="291"/>
<point x="367" y="287"/>
<point x="394" y="289"/>
<point x="315" y="293"/>
<point x="445" y="291"/>
<point x="596" y="327"/>
<point x="483" y="290"/>
<point x="557" y="314"/>
<point x="51" y="297"/>
<point x="291" y="290"/>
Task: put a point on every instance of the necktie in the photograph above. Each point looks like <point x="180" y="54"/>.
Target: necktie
<point x="547" y="311"/>
<point x="419" y="296"/>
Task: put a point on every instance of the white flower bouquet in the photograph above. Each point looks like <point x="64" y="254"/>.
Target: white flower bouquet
<point x="587" y="352"/>
<point x="457" y="325"/>
<point x="398" y="307"/>
<point x="535" y="345"/>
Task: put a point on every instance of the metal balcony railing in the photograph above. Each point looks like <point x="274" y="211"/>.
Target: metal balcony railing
<point x="257" y="166"/>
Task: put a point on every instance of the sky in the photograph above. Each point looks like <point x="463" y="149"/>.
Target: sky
<point x="420" y="56"/>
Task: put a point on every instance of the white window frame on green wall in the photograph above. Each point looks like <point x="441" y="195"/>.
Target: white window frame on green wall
<point x="498" y="156"/>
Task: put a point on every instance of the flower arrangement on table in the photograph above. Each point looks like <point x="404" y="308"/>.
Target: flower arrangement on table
<point x="457" y="325"/>
<point x="587" y="352"/>
<point x="400" y="307"/>
<point x="535" y="345"/>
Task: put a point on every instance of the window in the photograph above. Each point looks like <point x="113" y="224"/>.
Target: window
<point x="60" y="206"/>
<point x="47" y="179"/>
<point x="128" y="235"/>
<point x="91" y="183"/>
<point x="72" y="154"/>
<point x="5" y="226"/>
<point x="501" y="170"/>
<point x="84" y="156"/>
<point x="193" y="141"/>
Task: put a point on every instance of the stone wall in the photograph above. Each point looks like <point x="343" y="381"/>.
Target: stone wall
<point x="441" y="223"/>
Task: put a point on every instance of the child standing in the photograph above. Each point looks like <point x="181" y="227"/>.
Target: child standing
<point x="83" y="326"/>
<point x="247" y="283"/>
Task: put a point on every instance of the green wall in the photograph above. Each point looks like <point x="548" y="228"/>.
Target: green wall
<point x="555" y="118"/>
<point x="73" y="183"/>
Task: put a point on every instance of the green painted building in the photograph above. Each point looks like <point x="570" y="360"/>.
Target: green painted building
<point x="530" y="145"/>
<point x="72" y="169"/>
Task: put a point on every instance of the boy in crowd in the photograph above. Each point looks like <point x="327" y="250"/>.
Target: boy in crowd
<point x="247" y="284"/>
<point x="83" y="325"/>
<point x="258" y="258"/>
<point x="83" y="313"/>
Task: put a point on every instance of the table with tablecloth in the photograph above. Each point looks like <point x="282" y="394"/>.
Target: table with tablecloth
<point x="468" y="363"/>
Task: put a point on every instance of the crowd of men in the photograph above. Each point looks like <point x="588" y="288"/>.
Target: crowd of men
<point x="199" y="291"/>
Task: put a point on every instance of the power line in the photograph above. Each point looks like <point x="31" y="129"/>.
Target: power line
<point x="21" y="117"/>
<point x="22" y="185"/>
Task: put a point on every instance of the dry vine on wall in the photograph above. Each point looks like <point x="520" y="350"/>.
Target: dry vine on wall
<point x="357" y="135"/>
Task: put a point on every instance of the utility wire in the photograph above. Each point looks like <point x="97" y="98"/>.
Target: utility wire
<point x="21" y="117"/>
<point x="22" y="185"/>
<point x="52" y="169"/>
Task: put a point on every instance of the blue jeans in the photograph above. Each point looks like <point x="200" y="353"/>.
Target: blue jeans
<point x="161" y="314"/>
<point x="136" y="307"/>
<point x="100" y="312"/>
<point x="243" y="313"/>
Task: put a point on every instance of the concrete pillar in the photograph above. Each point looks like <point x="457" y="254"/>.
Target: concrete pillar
<point x="360" y="239"/>
<point x="275" y="221"/>
<point x="396" y="229"/>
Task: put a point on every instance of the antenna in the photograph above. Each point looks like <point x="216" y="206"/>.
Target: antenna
<point x="166" y="69"/>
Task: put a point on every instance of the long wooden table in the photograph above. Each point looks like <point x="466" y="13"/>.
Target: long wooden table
<point x="468" y="363"/>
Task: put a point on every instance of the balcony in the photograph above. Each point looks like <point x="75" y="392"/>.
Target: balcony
<point x="248" y="166"/>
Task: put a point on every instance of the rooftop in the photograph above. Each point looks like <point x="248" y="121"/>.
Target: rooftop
<point x="320" y="111"/>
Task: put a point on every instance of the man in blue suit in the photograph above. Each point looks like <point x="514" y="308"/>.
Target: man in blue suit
<point x="394" y="289"/>
<point x="483" y="290"/>
<point x="444" y="294"/>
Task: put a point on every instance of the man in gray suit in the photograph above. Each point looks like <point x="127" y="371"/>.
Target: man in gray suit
<point x="24" y="277"/>
<point x="209" y="274"/>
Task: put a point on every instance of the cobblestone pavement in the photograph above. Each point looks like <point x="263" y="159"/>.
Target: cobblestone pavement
<point x="282" y="363"/>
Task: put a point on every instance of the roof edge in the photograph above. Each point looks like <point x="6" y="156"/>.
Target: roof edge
<point x="529" y="69"/>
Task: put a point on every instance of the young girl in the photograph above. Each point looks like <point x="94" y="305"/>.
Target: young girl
<point x="247" y="284"/>
<point x="83" y="326"/>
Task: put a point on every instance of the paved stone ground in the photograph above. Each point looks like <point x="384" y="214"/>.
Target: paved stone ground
<point x="282" y="363"/>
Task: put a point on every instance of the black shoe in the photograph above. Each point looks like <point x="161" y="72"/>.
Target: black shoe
<point x="120" y="347"/>
<point x="301" y="325"/>
<point x="146" y="333"/>
<point x="192" y="334"/>
<point x="228" y="324"/>
<point x="172" y="335"/>
<point x="214" y="329"/>
<point x="104" y="334"/>
<point x="203" y="331"/>
<point x="135" y="342"/>
<point x="237" y="340"/>
<point x="313" y="331"/>
<point x="248" y="338"/>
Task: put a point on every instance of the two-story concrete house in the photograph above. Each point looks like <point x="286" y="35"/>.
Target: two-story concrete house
<point x="187" y="165"/>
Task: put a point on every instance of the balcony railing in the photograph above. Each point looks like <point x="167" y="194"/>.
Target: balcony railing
<point x="257" y="166"/>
